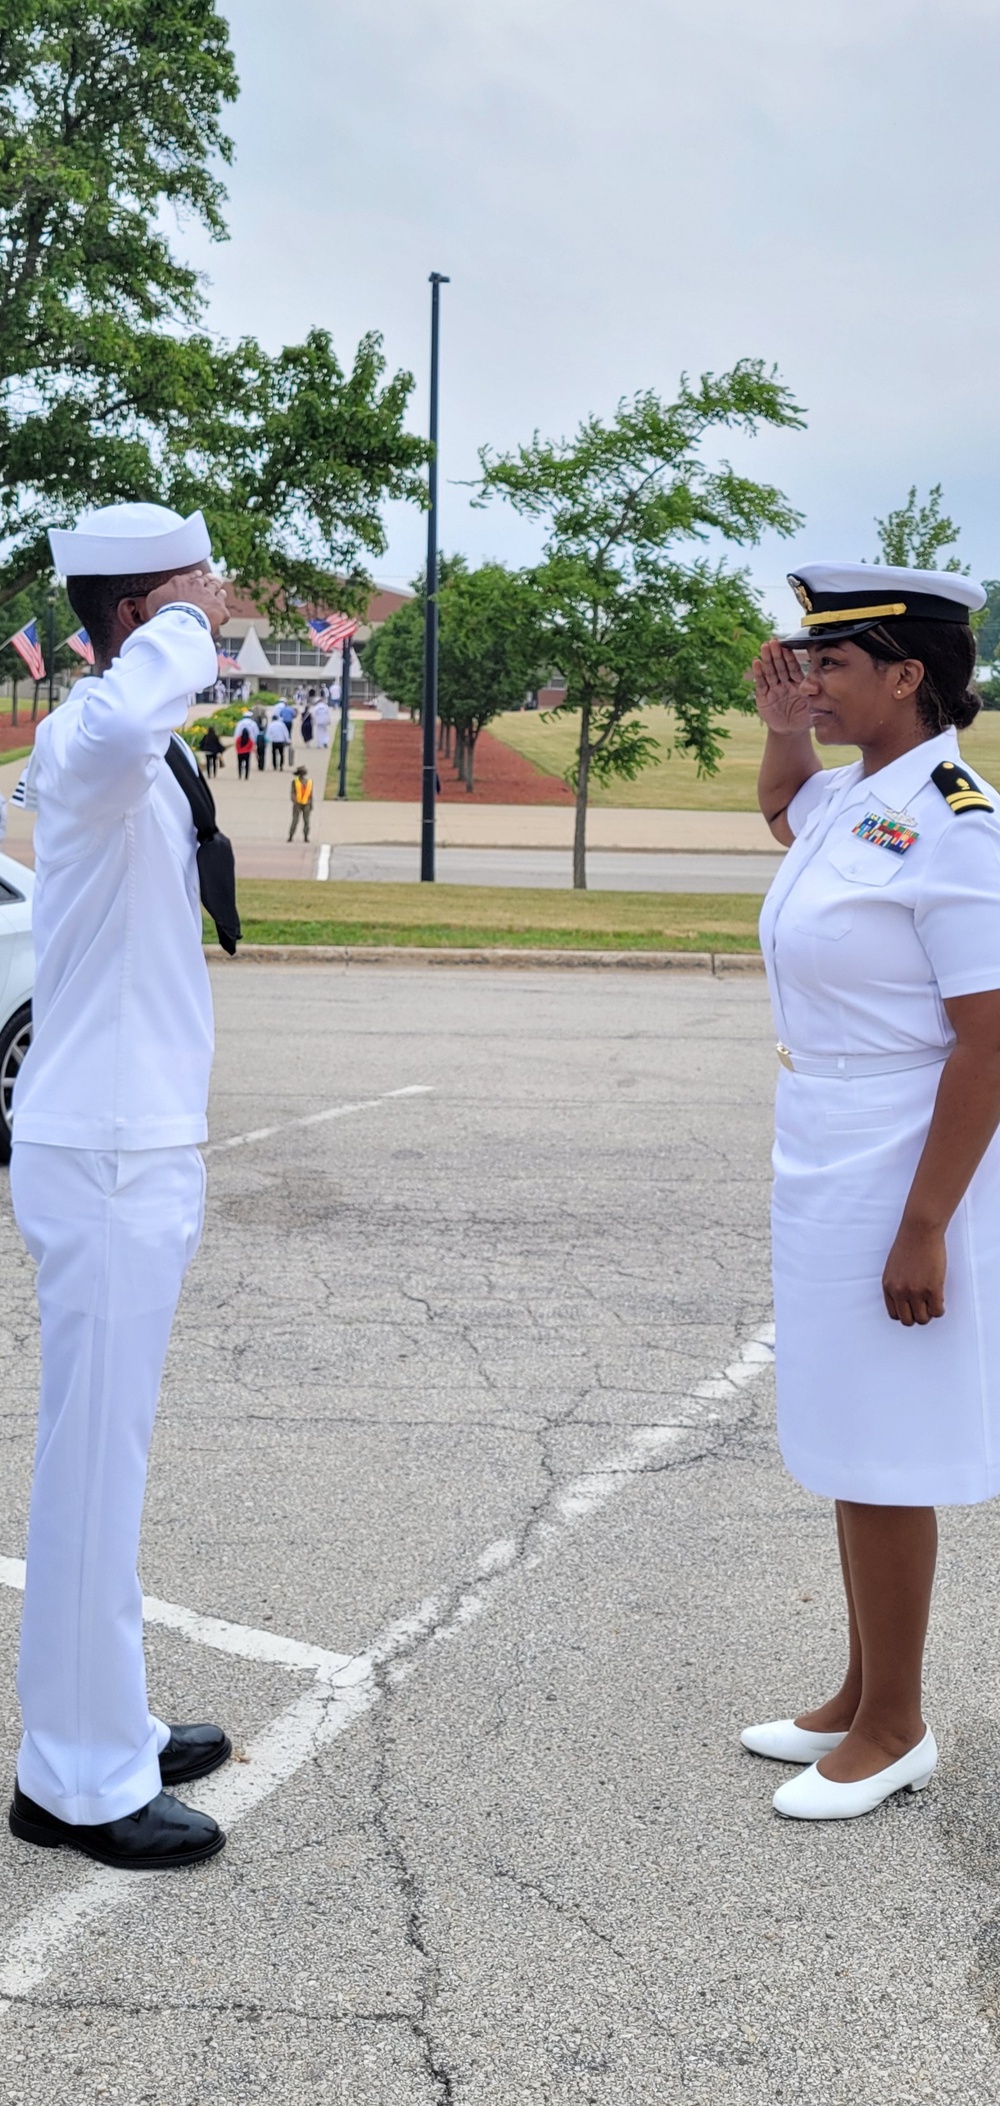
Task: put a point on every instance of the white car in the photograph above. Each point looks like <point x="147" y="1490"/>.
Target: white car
<point x="17" y="975"/>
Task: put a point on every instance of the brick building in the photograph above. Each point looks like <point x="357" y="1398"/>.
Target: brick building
<point x="287" y="662"/>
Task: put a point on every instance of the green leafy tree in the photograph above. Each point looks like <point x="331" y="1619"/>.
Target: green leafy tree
<point x="988" y="638"/>
<point x="394" y="655"/>
<point x="915" y="537"/>
<point x="110" y="123"/>
<point x="491" y="651"/>
<point x="627" y="620"/>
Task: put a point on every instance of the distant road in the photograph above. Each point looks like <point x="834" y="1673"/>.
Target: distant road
<point x="607" y="870"/>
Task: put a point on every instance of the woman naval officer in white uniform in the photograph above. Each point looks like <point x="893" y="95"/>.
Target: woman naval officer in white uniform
<point x="881" y="937"/>
<point x="106" y="1178"/>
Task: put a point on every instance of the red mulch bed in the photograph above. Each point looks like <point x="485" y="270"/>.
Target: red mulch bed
<point x="392" y="771"/>
<point x="20" y="734"/>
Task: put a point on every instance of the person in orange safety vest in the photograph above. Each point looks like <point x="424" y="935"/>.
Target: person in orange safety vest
<point x="302" y="802"/>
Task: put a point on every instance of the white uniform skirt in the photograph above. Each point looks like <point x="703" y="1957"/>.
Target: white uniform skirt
<point x="868" y="1410"/>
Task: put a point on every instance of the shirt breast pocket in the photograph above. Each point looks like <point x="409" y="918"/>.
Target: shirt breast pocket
<point x="861" y="863"/>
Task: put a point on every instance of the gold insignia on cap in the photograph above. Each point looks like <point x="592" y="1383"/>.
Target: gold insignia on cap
<point x="801" y="594"/>
<point x="854" y="614"/>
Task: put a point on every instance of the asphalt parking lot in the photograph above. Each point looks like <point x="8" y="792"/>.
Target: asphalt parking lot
<point x="465" y="1515"/>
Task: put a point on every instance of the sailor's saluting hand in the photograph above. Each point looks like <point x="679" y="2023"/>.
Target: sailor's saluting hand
<point x="193" y="588"/>
<point x="777" y="686"/>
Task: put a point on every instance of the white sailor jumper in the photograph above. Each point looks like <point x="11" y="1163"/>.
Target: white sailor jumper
<point x="108" y="1189"/>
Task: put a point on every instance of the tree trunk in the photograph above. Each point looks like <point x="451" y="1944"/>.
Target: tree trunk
<point x="13" y="702"/>
<point x="582" y="781"/>
<point x="34" y="703"/>
<point x="470" y="761"/>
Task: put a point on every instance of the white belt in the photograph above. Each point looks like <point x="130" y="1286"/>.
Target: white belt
<point x="848" y="1064"/>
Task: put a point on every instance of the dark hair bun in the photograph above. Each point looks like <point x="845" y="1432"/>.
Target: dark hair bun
<point x="964" y="710"/>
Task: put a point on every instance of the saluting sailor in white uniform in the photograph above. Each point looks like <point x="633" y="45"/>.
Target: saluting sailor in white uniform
<point x="881" y="937"/>
<point x="107" y="1179"/>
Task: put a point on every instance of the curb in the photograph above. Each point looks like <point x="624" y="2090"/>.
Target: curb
<point x="716" y="963"/>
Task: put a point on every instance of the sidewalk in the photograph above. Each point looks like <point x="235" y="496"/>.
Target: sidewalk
<point x="256" y="816"/>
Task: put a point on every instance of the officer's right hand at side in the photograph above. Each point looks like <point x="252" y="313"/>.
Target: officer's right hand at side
<point x="197" y="588"/>
<point x="777" y="686"/>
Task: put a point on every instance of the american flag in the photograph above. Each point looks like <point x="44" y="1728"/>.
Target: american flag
<point x="25" y="643"/>
<point x="81" y="644"/>
<point x="334" y="629"/>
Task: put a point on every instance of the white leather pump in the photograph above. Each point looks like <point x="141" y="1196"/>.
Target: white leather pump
<point x="813" y="1797"/>
<point x="784" y="1741"/>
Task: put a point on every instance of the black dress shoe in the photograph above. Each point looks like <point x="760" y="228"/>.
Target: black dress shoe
<point x="192" y="1751"/>
<point x="160" y="1835"/>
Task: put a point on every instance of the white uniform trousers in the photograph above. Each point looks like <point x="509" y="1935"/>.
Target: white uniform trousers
<point x="113" y="1234"/>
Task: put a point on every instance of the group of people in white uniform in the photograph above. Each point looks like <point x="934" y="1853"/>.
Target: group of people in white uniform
<point x="881" y="938"/>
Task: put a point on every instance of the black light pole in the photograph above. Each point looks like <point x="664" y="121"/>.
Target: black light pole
<point x="345" y="705"/>
<point x="429" y="779"/>
<point x="52" y="646"/>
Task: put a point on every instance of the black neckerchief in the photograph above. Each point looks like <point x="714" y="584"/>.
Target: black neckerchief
<point x="216" y="862"/>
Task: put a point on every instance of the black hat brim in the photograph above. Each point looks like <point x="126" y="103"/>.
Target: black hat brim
<point x="841" y="632"/>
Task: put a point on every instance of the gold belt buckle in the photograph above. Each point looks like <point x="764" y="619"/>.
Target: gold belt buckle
<point x="785" y="1057"/>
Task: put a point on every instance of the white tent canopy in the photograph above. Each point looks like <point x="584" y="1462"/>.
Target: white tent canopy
<point x="250" y="657"/>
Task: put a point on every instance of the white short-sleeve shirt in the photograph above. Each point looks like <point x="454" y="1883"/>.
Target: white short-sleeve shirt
<point x="862" y="944"/>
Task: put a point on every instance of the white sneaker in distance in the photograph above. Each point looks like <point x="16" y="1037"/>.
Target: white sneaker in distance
<point x="813" y="1797"/>
<point x="784" y="1741"/>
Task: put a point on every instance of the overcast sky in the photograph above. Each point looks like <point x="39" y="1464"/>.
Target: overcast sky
<point x="621" y="189"/>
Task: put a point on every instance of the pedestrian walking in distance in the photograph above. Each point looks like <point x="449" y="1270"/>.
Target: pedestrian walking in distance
<point x="288" y="713"/>
<point x="307" y="721"/>
<point x="302" y="802"/>
<point x="277" y="739"/>
<point x="321" y="721"/>
<point x="244" y="741"/>
<point x="881" y="937"/>
<point x="107" y="1181"/>
<point x="213" y="749"/>
<point x="260" y="719"/>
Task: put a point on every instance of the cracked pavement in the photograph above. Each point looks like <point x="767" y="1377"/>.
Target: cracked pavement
<point x="538" y="1869"/>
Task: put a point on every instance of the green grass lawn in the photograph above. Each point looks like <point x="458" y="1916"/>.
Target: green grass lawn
<point x="14" y="753"/>
<point x="279" y="910"/>
<point x="673" y="783"/>
<point x="355" y="763"/>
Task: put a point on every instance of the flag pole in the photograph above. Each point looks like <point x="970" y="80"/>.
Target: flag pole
<point x="429" y="711"/>
<point x="345" y="715"/>
<point x="52" y="647"/>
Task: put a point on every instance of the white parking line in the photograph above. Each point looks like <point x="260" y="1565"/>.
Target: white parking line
<point x="345" y="1687"/>
<point x="219" y="1636"/>
<point x="323" y="861"/>
<point x="334" y="1111"/>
